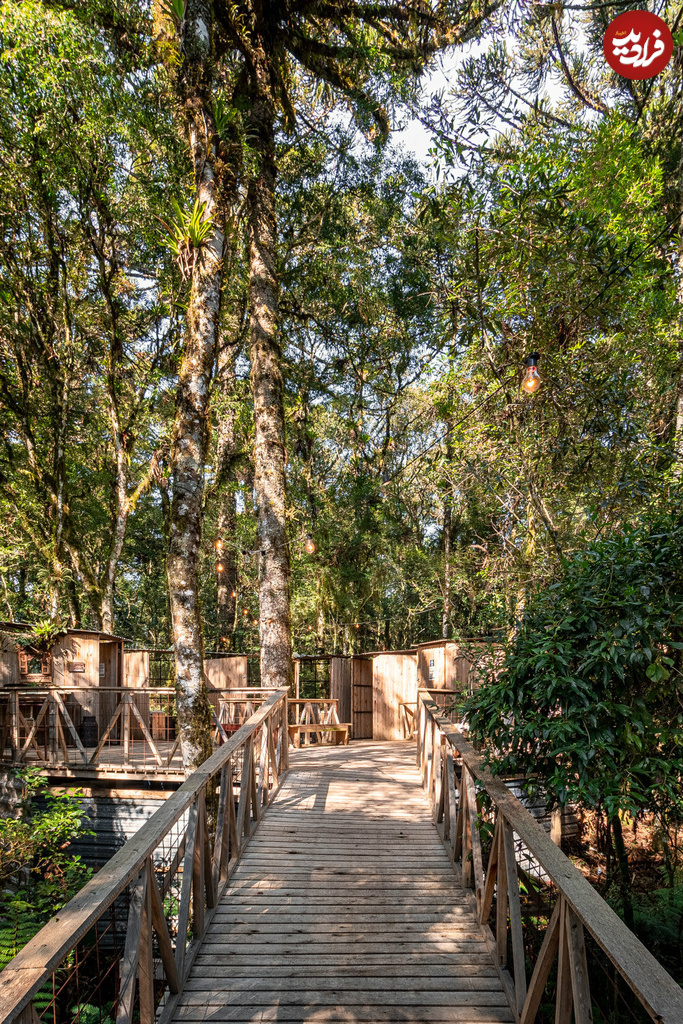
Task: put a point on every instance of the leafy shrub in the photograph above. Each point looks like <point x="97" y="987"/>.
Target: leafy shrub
<point x="38" y="875"/>
<point x="589" y="699"/>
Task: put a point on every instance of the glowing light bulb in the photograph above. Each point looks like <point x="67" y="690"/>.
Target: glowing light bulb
<point x="245" y="611"/>
<point x="234" y="593"/>
<point x="218" y="544"/>
<point x="219" y="567"/>
<point x="256" y="622"/>
<point x="309" y="545"/>
<point x="531" y="381"/>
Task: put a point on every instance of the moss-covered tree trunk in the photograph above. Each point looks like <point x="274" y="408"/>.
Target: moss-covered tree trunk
<point x="267" y="388"/>
<point x="189" y="442"/>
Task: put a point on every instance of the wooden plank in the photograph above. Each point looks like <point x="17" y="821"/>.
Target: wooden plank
<point x="186" y="887"/>
<point x="131" y="952"/>
<point x="542" y="967"/>
<point x="161" y="929"/>
<point x="146" y="956"/>
<point x="145" y="732"/>
<point x="221" y="847"/>
<point x="288" y="995"/>
<point x="372" y="1014"/>
<point x="70" y="725"/>
<point x="469" y="981"/>
<point x="420" y="970"/>
<point x="475" y="839"/>
<point x="578" y="965"/>
<point x="515" y="911"/>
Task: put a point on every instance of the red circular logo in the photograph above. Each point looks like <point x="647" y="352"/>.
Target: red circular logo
<point x="638" y="44"/>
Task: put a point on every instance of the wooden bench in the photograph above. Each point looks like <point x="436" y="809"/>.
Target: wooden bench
<point x="339" y="731"/>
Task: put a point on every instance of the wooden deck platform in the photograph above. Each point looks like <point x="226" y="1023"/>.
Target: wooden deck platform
<point x="345" y="908"/>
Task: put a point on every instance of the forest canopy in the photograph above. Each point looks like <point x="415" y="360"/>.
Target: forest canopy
<point x="404" y="298"/>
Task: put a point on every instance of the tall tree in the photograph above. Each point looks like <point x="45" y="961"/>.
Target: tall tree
<point x="366" y="54"/>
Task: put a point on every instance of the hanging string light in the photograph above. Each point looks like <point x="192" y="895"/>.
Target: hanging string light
<point x="531" y="382"/>
<point x="234" y="593"/>
<point x="309" y="545"/>
<point x="218" y="544"/>
<point x="220" y="567"/>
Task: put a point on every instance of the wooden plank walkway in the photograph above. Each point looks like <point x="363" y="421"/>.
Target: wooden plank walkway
<point x="345" y="908"/>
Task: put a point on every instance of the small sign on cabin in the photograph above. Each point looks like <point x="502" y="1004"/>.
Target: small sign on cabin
<point x="431" y="670"/>
<point x="75" y="666"/>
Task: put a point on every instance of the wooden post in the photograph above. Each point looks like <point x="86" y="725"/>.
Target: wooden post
<point x="16" y="744"/>
<point x="556" y="826"/>
<point x="52" y="732"/>
<point x="126" y="729"/>
<point x="146" y="958"/>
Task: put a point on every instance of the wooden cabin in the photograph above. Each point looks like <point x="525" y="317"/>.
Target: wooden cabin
<point x="87" y="663"/>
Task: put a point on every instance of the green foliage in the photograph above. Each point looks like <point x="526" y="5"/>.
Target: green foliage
<point x="174" y="10"/>
<point x="588" y="700"/>
<point x="86" y="1013"/>
<point x="38" y="874"/>
<point x="187" y="233"/>
<point x="42" y="635"/>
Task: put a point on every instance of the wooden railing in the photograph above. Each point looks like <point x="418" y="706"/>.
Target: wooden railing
<point x="449" y="700"/>
<point x="309" y="711"/>
<point x="121" y="729"/>
<point x="555" y="917"/>
<point x="118" y="728"/>
<point x="162" y="888"/>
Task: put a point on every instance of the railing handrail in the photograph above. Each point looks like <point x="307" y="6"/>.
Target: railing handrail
<point x="313" y="700"/>
<point x="45" y="688"/>
<point x="655" y="988"/>
<point x="24" y="975"/>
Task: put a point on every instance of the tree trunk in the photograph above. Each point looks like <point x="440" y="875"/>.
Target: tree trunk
<point x="226" y="479"/>
<point x="226" y="577"/>
<point x="624" y="873"/>
<point x="267" y="388"/>
<point x="189" y="442"/>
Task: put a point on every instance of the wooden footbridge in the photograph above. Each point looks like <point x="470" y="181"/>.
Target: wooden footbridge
<point x="376" y="882"/>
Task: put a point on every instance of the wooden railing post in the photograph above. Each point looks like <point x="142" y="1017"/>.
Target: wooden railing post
<point x="131" y="952"/>
<point x="52" y="732"/>
<point x="14" y="726"/>
<point x="126" y="729"/>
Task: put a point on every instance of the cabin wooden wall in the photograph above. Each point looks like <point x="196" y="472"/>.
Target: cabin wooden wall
<point x="9" y="668"/>
<point x="340" y="686"/>
<point x="226" y="673"/>
<point x="394" y="679"/>
<point x="85" y="649"/>
<point x="361" y="699"/>
<point x="451" y="669"/>
<point x="136" y="668"/>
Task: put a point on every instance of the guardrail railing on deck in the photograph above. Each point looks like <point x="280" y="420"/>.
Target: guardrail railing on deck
<point x="111" y="728"/>
<point x="537" y="909"/>
<point x="125" y="943"/>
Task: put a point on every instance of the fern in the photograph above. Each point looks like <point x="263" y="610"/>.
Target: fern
<point x="17" y="926"/>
